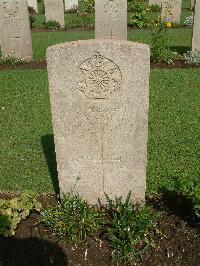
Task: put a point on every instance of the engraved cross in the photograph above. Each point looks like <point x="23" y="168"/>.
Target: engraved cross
<point x="111" y="36"/>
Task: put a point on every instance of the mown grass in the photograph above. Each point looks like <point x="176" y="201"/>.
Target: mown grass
<point x="26" y="132"/>
<point x="179" y="39"/>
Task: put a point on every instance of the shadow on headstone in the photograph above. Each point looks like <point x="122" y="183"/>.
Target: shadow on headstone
<point x="50" y="155"/>
<point x="30" y="251"/>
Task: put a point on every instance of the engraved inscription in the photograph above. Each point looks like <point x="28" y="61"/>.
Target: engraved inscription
<point x="100" y="77"/>
<point x="11" y="10"/>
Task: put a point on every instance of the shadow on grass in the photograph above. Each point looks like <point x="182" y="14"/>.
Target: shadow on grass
<point x="30" y="251"/>
<point x="180" y="49"/>
<point x="176" y="203"/>
<point x="50" y="155"/>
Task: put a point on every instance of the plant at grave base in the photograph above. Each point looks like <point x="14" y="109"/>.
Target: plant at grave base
<point x="89" y="5"/>
<point x="139" y="17"/>
<point x="73" y="218"/>
<point x="14" y="210"/>
<point x="128" y="228"/>
<point x="31" y="10"/>
<point x="189" y="22"/>
<point x="51" y="24"/>
<point x="11" y="60"/>
<point x="155" y="8"/>
<point x="192" y="58"/>
<point x="159" y="44"/>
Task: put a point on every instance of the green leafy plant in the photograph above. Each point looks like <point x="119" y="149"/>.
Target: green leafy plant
<point x="127" y="228"/>
<point x="51" y="24"/>
<point x="89" y="5"/>
<point x="159" y="44"/>
<point x="73" y="218"/>
<point x="192" y="58"/>
<point x="155" y="8"/>
<point x="14" y="210"/>
<point x="139" y="15"/>
<point x="11" y="60"/>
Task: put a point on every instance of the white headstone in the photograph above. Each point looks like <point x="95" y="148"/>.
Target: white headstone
<point x="171" y="11"/>
<point x="196" y="28"/>
<point x="99" y="96"/>
<point x="33" y="4"/>
<point x="111" y="19"/>
<point x="71" y="4"/>
<point x="15" y="34"/>
<point x="54" y="10"/>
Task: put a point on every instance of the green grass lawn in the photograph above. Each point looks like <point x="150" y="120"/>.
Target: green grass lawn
<point x="27" y="152"/>
<point x="179" y="39"/>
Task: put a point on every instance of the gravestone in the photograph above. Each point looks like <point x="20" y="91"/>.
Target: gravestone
<point x="155" y="2"/>
<point x="192" y="4"/>
<point x="54" y="10"/>
<point x="196" y="28"/>
<point x="111" y="19"/>
<point x="33" y="4"/>
<point x="71" y="4"/>
<point x="171" y="11"/>
<point x="99" y="92"/>
<point x="15" y="32"/>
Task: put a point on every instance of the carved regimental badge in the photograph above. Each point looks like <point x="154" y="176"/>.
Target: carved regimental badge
<point x="100" y="77"/>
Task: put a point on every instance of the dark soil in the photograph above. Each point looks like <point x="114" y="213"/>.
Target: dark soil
<point x="43" y="65"/>
<point x="176" y="240"/>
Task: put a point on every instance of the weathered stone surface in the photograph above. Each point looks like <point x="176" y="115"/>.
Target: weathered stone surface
<point x="155" y="2"/>
<point x="111" y="19"/>
<point x="71" y="4"/>
<point x="33" y="4"/>
<point x="192" y="4"/>
<point x="54" y="10"/>
<point x="171" y="11"/>
<point x="15" y="32"/>
<point x="99" y="93"/>
<point x="196" y="28"/>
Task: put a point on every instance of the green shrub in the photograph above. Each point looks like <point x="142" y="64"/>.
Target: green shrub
<point x="14" y="210"/>
<point x="128" y="226"/>
<point x="159" y="44"/>
<point x="73" y="218"/>
<point x="51" y="24"/>
<point x="11" y="60"/>
<point x="155" y="8"/>
<point x="139" y="16"/>
<point x="192" y="58"/>
<point x="89" y="5"/>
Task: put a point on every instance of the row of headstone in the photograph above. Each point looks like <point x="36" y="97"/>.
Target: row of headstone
<point x="171" y="11"/>
<point x="54" y="10"/>
<point x="196" y="28"/>
<point x="15" y="30"/>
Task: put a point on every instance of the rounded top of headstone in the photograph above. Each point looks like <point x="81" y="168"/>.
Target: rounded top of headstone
<point x="99" y="42"/>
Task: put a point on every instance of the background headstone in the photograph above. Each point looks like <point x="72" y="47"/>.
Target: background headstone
<point x="171" y="11"/>
<point x="99" y="96"/>
<point x="15" y="34"/>
<point x="71" y="4"/>
<point x="54" y="10"/>
<point x="155" y="2"/>
<point x="192" y="4"/>
<point x="33" y="4"/>
<point x="196" y="28"/>
<point x="111" y="19"/>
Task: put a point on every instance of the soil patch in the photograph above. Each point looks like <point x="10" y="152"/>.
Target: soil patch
<point x="43" y="65"/>
<point x="176" y="240"/>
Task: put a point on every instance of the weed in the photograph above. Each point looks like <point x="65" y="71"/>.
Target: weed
<point x="73" y="218"/>
<point x="51" y="24"/>
<point x="128" y="227"/>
